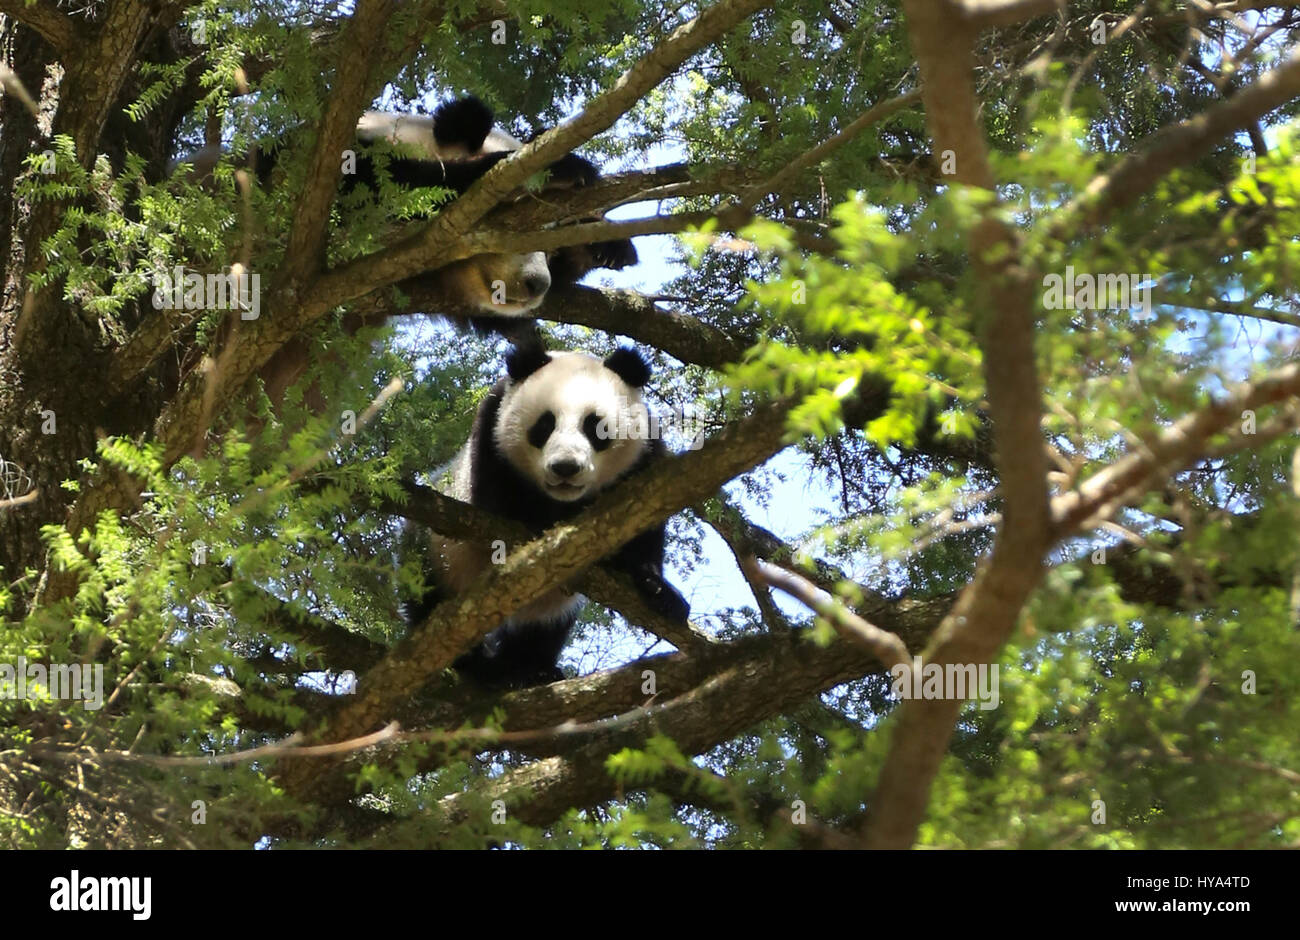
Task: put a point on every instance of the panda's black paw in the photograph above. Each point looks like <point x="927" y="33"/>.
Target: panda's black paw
<point x="465" y="122"/>
<point x="554" y="674"/>
<point x="520" y="331"/>
<point x="572" y="171"/>
<point x="663" y="598"/>
<point x="616" y="254"/>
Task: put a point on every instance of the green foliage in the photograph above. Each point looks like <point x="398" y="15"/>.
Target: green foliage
<point x="1157" y="679"/>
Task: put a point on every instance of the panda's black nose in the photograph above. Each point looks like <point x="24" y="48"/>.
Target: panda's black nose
<point x="565" y="468"/>
<point x="537" y="284"/>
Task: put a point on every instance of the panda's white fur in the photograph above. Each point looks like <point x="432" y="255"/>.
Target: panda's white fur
<point x="413" y="131"/>
<point x="571" y="386"/>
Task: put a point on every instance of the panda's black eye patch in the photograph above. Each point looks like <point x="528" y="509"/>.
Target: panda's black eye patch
<point x="591" y="427"/>
<point x="541" y="429"/>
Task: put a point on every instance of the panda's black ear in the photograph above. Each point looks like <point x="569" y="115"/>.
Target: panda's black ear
<point x="466" y="121"/>
<point x="522" y="361"/>
<point x="628" y="365"/>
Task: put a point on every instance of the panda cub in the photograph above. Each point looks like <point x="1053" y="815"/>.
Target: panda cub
<point x="555" y="431"/>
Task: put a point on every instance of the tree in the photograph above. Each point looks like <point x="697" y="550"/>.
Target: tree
<point x="975" y="271"/>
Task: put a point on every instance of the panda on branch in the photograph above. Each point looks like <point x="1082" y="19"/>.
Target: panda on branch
<point x="558" y="429"/>
<point x="451" y="149"/>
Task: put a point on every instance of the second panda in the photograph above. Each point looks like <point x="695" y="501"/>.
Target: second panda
<point x="555" y="431"/>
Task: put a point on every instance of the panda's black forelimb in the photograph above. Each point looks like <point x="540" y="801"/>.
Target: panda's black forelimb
<point x="512" y="656"/>
<point x="524" y="654"/>
<point x="572" y="171"/>
<point x="518" y="331"/>
<point x="643" y="560"/>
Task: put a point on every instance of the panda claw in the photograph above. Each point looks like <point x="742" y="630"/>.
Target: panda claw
<point x="615" y="255"/>
<point x="663" y="598"/>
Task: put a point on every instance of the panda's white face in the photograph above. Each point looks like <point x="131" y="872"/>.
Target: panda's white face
<point x="572" y="427"/>
<point x="513" y="284"/>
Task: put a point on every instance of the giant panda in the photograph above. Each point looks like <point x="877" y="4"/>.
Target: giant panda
<point x="451" y="149"/>
<point x="553" y="433"/>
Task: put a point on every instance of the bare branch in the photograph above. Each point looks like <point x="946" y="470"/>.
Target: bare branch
<point x="1232" y="308"/>
<point x="13" y="86"/>
<point x="816" y="155"/>
<point x="885" y="646"/>
<point x="290" y="747"/>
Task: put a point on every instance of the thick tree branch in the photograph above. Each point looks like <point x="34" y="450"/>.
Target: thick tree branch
<point x="734" y="689"/>
<point x="455" y="519"/>
<point x="628" y="313"/>
<point x="348" y="97"/>
<point x="617" y="312"/>
<point x="804" y="669"/>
